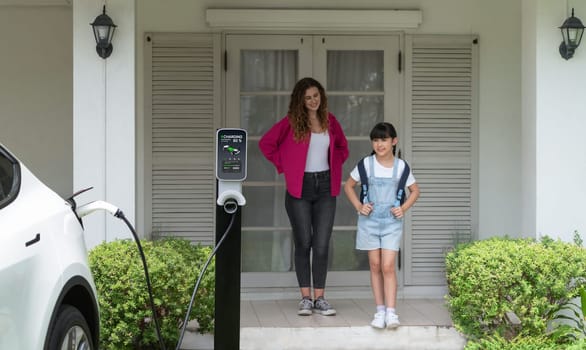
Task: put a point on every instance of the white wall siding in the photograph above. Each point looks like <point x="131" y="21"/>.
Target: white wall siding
<point x="36" y="91"/>
<point x="560" y="121"/>
<point x="104" y="117"/>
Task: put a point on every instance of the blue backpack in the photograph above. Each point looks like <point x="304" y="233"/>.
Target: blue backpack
<point x="400" y="188"/>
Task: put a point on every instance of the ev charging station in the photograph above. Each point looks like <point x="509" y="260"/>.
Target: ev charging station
<point x="231" y="152"/>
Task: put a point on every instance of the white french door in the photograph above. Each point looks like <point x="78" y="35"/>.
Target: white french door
<point x="363" y="84"/>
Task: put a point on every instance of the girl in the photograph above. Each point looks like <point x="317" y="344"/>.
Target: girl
<point x="380" y="224"/>
<point x="309" y="147"/>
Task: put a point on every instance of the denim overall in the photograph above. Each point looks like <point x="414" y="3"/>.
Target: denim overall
<point x="380" y="229"/>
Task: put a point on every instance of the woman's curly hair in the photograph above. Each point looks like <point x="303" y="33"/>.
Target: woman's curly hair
<point x="298" y="116"/>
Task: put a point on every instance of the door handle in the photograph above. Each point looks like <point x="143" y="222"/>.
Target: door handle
<point x="33" y="241"/>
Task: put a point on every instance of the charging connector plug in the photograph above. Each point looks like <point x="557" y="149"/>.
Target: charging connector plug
<point x="91" y="207"/>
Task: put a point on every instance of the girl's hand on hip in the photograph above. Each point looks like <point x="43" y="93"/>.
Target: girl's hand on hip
<point x="397" y="212"/>
<point x="365" y="209"/>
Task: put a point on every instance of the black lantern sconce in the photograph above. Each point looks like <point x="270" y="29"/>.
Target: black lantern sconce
<point x="103" y="32"/>
<point x="572" y="31"/>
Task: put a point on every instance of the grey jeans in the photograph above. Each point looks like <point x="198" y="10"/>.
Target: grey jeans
<point x="312" y="219"/>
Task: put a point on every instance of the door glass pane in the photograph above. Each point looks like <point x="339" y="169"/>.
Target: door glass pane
<point x="343" y="256"/>
<point x="358" y="149"/>
<point x="259" y="169"/>
<point x="266" y="80"/>
<point x="259" y="112"/>
<point x="355" y="84"/>
<point x="268" y="70"/>
<point x="355" y="70"/>
<point x="266" y="251"/>
<point x="267" y="209"/>
<point x="357" y="114"/>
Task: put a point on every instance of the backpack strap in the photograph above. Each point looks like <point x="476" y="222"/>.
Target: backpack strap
<point x="401" y="185"/>
<point x="363" y="181"/>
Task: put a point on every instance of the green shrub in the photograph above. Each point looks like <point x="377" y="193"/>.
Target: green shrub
<point x="125" y="314"/>
<point x="578" y="345"/>
<point x="518" y="343"/>
<point x="532" y="279"/>
<point x="523" y="343"/>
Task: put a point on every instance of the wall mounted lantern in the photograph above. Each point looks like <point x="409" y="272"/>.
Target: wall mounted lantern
<point x="572" y="31"/>
<point x="103" y="32"/>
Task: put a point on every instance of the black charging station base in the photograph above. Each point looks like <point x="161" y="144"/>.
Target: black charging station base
<point x="227" y="301"/>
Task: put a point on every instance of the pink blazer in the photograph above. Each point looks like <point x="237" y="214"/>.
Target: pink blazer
<point x="288" y="156"/>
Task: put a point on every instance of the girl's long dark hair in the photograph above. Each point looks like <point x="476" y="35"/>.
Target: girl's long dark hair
<point x="298" y="116"/>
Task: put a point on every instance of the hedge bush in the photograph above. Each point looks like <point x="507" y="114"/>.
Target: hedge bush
<point x="125" y="314"/>
<point x="523" y="343"/>
<point x="530" y="278"/>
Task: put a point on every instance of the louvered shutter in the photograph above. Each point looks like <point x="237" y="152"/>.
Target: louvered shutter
<point x="441" y="113"/>
<point x="182" y="139"/>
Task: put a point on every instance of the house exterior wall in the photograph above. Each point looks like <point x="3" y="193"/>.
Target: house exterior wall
<point x="528" y="72"/>
<point x="36" y="90"/>
<point x="560" y="125"/>
<point x="104" y="117"/>
<point x="529" y="109"/>
<point x="497" y="24"/>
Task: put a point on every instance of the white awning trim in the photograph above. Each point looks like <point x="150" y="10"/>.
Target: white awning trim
<point x="273" y="19"/>
<point x="35" y="3"/>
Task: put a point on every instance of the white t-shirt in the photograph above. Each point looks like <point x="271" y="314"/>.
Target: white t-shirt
<point x="317" y="156"/>
<point x="381" y="171"/>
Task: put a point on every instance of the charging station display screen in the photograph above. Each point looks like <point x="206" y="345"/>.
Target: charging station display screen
<point x="231" y="154"/>
<point x="231" y="166"/>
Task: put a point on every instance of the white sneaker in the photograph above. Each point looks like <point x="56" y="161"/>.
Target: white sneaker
<point x="379" y="320"/>
<point x="392" y="320"/>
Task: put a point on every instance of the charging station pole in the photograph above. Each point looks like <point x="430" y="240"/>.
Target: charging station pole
<point x="231" y="150"/>
<point x="227" y="302"/>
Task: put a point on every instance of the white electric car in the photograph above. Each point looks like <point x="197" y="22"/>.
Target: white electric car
<point x="47" y="294"/>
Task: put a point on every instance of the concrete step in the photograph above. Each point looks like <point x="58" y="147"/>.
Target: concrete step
<point x="339" y="338"/>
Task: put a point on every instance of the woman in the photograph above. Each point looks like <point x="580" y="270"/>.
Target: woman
<point x="309" y="147"/>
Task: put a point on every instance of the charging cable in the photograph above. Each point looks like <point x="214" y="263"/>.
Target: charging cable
<point x="101" y="205"/>
<point x="232" y="217"/>
<point x="230" y="207"/>
<point x="119" y="214"/>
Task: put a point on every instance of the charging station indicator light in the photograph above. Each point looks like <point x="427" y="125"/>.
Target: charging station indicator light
<point x="231" y="166"/>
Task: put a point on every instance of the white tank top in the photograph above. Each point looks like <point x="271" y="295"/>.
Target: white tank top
<point x="317" y="156"/>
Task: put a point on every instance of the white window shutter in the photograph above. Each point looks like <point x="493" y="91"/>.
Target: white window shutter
<point x="441" y="113"/>
<point x="183" y="93"/>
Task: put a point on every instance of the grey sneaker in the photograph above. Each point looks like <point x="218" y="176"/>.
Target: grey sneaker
<point x="323" y="307"/>
<point x="305" y="307"/>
